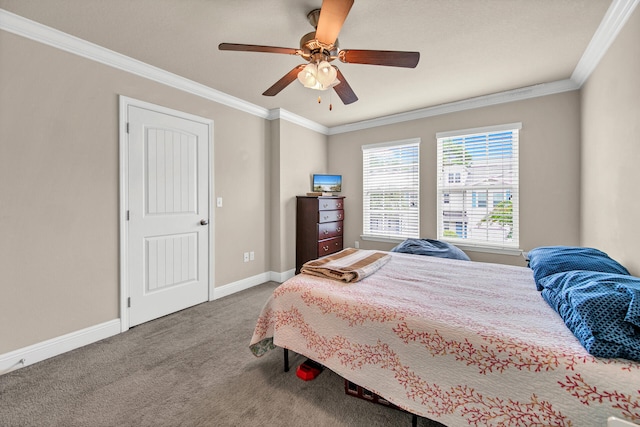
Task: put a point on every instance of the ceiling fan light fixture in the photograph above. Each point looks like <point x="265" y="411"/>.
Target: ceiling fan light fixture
<point x="320" y="76"/>
<point x="334" y="83"/>
<point x="326" y="74"/>
<point x="307" y="76"/>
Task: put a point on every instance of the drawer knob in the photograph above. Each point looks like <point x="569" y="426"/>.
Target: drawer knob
<point x="339" y="229"/>
<point x="326" y="232"/>
<point x="325" y="248"/>
<point x="339" y="216"/>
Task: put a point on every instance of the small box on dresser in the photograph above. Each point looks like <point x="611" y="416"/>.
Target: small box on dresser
<point x="319" y="227"/>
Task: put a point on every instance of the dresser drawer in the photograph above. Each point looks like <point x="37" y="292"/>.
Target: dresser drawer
<point x="329" y="246"/>
<point x="329" y="204"/>
<point x="330" y="216"/>
<point x="329" y="230"/>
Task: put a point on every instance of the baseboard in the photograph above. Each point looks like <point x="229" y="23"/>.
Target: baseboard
<point x="249" y="282"/>
<point x="282" y="277"/>
<point x="53" y="347"/>
<point x="44" y="350"/>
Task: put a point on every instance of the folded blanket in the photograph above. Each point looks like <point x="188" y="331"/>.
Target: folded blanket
<point x="348" y="265"/>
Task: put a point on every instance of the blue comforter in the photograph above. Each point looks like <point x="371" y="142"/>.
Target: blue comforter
<point x="430" y="247"/>
<point x="548" y="260"/>
<point x="601" y="309"/>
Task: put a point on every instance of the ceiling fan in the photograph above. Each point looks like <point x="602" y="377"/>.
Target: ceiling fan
<point x="320" y="47"/>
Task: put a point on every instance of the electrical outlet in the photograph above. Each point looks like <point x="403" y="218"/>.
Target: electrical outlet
<point x="246" y="257"/>
<point x="252" y="256"/>
<point x="357" y="245"/>
<point x="219" y="202"/>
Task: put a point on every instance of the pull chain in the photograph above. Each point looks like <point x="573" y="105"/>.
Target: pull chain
<point x="330" y="101"/>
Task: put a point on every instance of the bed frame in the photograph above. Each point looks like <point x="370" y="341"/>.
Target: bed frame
<point x="414" y="417"/>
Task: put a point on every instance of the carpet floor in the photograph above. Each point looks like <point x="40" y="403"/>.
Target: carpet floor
<point x="191" y="368"/>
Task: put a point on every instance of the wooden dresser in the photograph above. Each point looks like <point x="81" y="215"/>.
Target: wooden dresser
<point x="319" y="227"/>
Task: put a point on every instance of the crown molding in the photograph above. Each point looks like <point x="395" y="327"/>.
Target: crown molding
<point x="467" y="104"/>
<point x="281" y="113"/>
<point x="613" y="21"/>
<point x="27" y="28"/>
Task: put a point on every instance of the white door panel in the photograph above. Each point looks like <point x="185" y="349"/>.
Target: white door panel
<point x="168" y="207"/>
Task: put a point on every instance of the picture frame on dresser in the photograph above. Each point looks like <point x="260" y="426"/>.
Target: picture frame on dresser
<point x="319" y="227"/>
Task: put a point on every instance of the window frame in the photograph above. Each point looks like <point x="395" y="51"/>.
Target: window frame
<point x="412" y="230"/>
<point x="470" y="195"/>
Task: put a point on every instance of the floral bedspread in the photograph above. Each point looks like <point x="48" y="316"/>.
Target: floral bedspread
<point x="459" y="342"/>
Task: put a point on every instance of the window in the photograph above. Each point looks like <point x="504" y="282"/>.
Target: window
<point x="499" y="198"/>
<point x="391" y="190"/>
<point x="478" y="186"/>
<point x="479" y="199"/>
<point x="454" y="178"/>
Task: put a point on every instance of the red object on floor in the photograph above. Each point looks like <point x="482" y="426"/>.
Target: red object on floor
<point x="308" y="371"/>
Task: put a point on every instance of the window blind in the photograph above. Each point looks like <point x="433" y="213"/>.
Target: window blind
<point x="479" y="205"/>
<point x="391" y="189"/>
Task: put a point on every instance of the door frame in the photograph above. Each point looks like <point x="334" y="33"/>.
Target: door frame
<point x="124" y="103"/>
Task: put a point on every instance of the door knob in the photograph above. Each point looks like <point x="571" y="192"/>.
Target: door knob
<point x="204" y="221"/>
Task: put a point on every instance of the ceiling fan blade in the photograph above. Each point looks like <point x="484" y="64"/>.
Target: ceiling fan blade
<point x="391" y="58"/>
<point x="332" y="15"/>
<point x="344" y="91"/>
<point x="257" y="48"/>
<point x="284" y="81"/>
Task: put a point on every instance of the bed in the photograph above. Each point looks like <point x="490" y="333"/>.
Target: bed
<point x="459" y="342"/>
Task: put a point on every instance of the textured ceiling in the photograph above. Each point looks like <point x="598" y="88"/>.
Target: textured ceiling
<point x="468" y="48"/>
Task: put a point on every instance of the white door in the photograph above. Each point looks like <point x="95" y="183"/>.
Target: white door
<point x="168" y="213"/>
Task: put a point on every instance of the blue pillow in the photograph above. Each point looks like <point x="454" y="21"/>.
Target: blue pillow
<point x="547" y="260"/>
<point x="601" y="309"/>
<point x="431" y="247"/>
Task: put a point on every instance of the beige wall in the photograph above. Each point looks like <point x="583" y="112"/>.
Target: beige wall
<point x="59" y="189"/>
<point x="611" y="150"/>
<point x="549" y="168"/>
<point x="303" y="152"/>
<point x="298" y="153"/>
